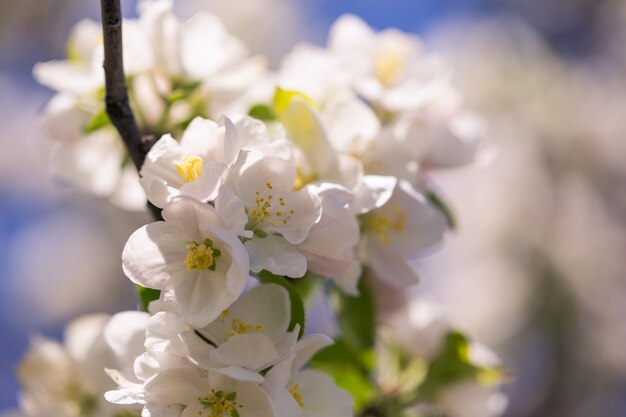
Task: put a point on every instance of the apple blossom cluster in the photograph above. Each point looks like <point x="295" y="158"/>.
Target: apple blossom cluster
<point x="245" y="363"/>
<point x="317" y="172"/>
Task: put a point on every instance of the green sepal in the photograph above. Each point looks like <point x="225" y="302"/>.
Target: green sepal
<point x="262" y="112"/>
<point x="98" y="121"/>
<point x="443" y="207"/>
<point x="146" y="296"/>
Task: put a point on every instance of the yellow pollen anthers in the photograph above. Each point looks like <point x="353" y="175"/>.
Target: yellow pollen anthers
<point x="387" y="65"/>
<point x="239" y="327"/>
<point x="303" y="179"/>
<point x="383" y="226"/>
<point x="201" y="256"/>
<point x="268" y="210"/>
<point x="294" y="390"/>
<point x="219" y="404"/>
<point x="190" y="168"/>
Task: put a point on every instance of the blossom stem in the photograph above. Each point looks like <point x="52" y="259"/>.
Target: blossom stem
<point x="117" y="101"/>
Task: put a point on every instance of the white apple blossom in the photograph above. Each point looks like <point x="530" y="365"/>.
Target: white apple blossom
<point x="305" y="392"/>
<point x="66" y="380"/>
<point x="249" y="336"/>
<point x="331" y="243"/>
<point x="190" y="391"/>
<point x="259" y="195"/>
<point x="404" y="226"/>
<point x="170" y="84"/>
<point x="200" y="267"/>
<point x="196" y="165"/>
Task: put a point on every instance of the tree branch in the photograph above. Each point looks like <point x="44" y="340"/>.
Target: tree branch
<point x="117" y="102"/>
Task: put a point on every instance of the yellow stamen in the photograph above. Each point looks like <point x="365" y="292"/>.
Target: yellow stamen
<point x="190" y="168"/>
<point x="387" y="65"/>
<point x="219" y="404"/>
<point x="201" y="256"/>
<point x="239" y="327"/>
<point x="295" y="392"/>
<point x="383" y="226"/>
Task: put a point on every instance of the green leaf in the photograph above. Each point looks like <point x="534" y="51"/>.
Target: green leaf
<point x="262" y="112"/>
<point x="297" y="306"/>
<point x="350" y="369"/>
<point x="450" y="365"/>
<point x="182" y="91"/>
<point x="146" y="295"/>
<point x="441" y="205"/>
<point x="356" y="317"/>
<point x="98" y="121"/>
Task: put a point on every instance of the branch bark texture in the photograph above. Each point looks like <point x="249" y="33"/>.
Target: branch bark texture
<point x="117" y="102"/>
<point x="116" y="99"/>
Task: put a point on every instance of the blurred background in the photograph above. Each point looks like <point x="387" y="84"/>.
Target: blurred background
<point x="537" y="268"/>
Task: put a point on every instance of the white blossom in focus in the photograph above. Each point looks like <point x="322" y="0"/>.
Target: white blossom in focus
<point x="200" y="267"/>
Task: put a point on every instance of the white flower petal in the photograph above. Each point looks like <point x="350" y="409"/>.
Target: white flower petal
<point x="273" y="253"/>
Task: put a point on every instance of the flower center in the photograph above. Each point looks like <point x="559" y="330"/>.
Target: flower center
<point x="268" y="210"/>
<point x="237" y="326"/>
<point x="219" y="404"/>
<point x="387" y="65"/>
<point x="201" y="256"/>
<point x="295" y="393"/>
<point x="382" y="226"/>
<point x="190" y="168"/>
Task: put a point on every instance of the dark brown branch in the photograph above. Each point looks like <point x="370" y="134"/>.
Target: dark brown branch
<point x="117" y="102"/>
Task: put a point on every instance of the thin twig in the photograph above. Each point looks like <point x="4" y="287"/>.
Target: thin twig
<point x="117" y="102"/>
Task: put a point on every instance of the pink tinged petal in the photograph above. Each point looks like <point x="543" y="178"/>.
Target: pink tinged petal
<point x="273" y="253"/>
<point x="390" y="266"/>
<point x="154" y="254"/>
<point x="349" y="280"/>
